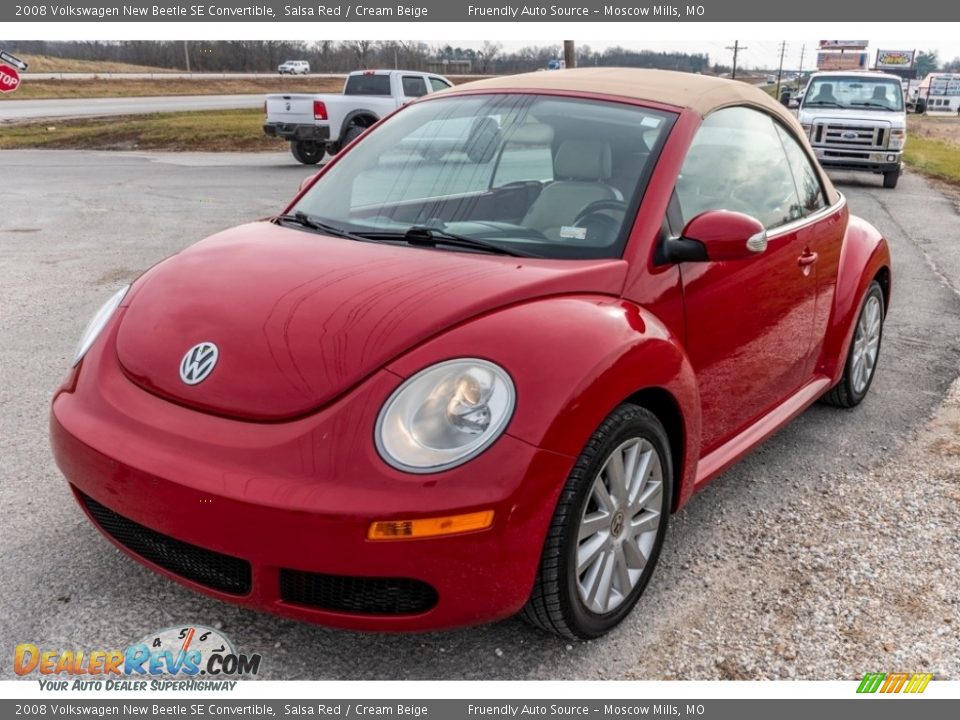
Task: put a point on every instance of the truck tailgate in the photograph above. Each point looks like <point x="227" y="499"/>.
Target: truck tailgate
<point x="290" y="109"/>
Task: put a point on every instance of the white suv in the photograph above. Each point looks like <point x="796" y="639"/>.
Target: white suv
<point x="294" y="67"/>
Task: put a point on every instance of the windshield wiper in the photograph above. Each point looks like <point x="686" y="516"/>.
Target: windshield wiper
<point x="431" y="237"/>
<point x="302" y="219"/>
<point x="824" y="103"/>
<point x="870" y="103"/>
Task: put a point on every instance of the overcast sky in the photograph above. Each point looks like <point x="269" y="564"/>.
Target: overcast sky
<point x="760" y="53"/>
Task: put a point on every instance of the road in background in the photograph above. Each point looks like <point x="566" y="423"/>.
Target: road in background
<point x="819" y="556"/>
<point x="167" y="75"/>
<point x="21" y="110"/>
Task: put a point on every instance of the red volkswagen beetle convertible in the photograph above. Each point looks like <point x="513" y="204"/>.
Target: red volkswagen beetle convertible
<point x="477" y="362"/>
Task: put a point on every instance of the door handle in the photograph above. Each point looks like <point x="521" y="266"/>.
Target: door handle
<point x="808" y="258"/>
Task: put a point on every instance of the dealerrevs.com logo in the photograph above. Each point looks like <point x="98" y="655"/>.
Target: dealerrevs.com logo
<point x="193" y="657"/>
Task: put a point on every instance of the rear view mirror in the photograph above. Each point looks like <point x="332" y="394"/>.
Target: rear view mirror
<point x="716" y="235"/>
<point x="727" y="235"/>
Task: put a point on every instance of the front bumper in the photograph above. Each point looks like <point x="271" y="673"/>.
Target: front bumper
<point x="293" y="501"/>
<point x="877" y="161"/>
<point x="295" y="131"/>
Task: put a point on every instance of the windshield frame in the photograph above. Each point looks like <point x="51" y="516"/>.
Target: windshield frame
<point x="668" y="114"/>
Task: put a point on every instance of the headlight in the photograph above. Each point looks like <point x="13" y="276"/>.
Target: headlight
<point x="897" y="139"/>
<point x="445" y="415"/>
<point x="97" y="324"/>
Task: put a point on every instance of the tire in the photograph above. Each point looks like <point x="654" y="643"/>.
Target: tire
<point x="557" y="603"/>
<point x="890" y="179"/>
<point x="307" y="152"/>
<point x="333" y="148"/>
<point x="853" y="387"/>
<point x="352" y="132"/>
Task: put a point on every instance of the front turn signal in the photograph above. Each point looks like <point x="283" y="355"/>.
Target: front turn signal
<point x="430" y="527"/>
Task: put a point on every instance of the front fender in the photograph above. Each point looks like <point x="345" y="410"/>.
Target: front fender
<point x="573" y="360"/>
<point x="865" y="256"/>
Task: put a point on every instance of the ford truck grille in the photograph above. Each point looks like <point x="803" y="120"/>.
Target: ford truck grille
<point x="865" y="137"/>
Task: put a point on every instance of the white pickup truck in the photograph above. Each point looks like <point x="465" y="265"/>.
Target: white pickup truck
<point x="315" y="124"/>
<point x="856" y="121"/>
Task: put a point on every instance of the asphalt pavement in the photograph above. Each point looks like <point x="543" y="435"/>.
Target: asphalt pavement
<point x="77" y="225"/>
<point x="21" y="110"/>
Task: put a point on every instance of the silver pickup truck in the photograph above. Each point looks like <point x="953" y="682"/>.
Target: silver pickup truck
<point x="315" y="124"/>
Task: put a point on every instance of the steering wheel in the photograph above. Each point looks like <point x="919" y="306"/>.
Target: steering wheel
<point x="598" y="206"/>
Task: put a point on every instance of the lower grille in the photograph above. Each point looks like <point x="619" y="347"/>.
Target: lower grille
<point x="851" y="136"/>
<point x="206" y="567"/>
<point x="364" y="595"/>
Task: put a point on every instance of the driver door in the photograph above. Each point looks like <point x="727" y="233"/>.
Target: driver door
<point x="749" y="322"/>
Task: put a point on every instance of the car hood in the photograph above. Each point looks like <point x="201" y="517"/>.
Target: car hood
<point x="299" y="318"/>
<point x="896" y="119"/>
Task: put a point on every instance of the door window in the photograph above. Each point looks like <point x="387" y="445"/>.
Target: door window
<point x="438" y="84"/>
<point x="806" y="178"/>
<point x="414" y="86"/>
<point x="737" y="162"/>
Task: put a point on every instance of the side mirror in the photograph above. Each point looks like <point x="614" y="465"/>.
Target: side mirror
<point x="307" y="180"/>
<point x="718" y="235"/>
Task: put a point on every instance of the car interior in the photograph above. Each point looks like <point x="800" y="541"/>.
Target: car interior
<point x="542" y="180"/>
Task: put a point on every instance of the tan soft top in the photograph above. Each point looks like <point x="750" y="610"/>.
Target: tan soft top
<point x="701" y="93"/>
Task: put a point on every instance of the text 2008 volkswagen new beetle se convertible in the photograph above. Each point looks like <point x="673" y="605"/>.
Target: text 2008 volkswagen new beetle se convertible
<point x="482" y="356"/>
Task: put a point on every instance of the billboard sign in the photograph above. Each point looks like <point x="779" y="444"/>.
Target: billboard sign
<point x="842" y="61"/>
<point x="843" y="44"/>
<point x="945" y="85"/>
<point x="894" y="59"/>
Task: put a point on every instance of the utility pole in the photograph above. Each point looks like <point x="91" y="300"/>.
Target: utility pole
<point x="783" y="49"/>
<point x="737" y="48"/>
<point x="186" y="54"/>
<point x="803" y="50"/>
<point x="569" y="54"/>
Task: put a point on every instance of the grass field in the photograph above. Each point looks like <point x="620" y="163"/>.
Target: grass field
<point x="215" y="130"/>
<point x="45" y="63"/>
<point x="933" y="147"/>
<point x="48" y="89"/>
<point x="33" y="89"/>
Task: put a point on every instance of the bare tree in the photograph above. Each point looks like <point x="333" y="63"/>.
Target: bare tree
<point x="487" y="56"/>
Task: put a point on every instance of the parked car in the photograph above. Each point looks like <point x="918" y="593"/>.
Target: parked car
<point x="856" y="121"/>
<point x="294" y="67"/>
<point x="439" y="389"/>
<point x="318" y="124"/>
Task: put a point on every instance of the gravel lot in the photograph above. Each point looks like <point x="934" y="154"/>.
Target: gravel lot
<point x="830" y="551"/>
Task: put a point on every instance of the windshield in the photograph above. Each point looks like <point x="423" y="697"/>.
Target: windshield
<point x="539" y="175"/>
<point x="860" y="93"/>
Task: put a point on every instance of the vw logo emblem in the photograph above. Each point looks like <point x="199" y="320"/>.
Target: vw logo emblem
<point x="198" y="363"/>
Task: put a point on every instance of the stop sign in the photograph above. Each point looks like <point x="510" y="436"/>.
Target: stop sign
<point x="9" y="78"/>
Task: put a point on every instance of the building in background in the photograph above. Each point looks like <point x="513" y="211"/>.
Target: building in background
<point x="842" y="55"/>
<point x="940" y="93"/>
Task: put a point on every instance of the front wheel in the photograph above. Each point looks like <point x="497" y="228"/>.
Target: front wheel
<point x="861" y="364"/>
<point x="607" y="530"/>
<point x="307" y="152"/>
<point x="890" y="179"/>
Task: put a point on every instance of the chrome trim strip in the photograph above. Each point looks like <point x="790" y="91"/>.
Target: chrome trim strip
<point x="819" y="215"/>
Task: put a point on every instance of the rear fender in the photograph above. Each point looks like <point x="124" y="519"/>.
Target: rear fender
<point x="573" y="360"/>
<point x="865" y="254"/>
